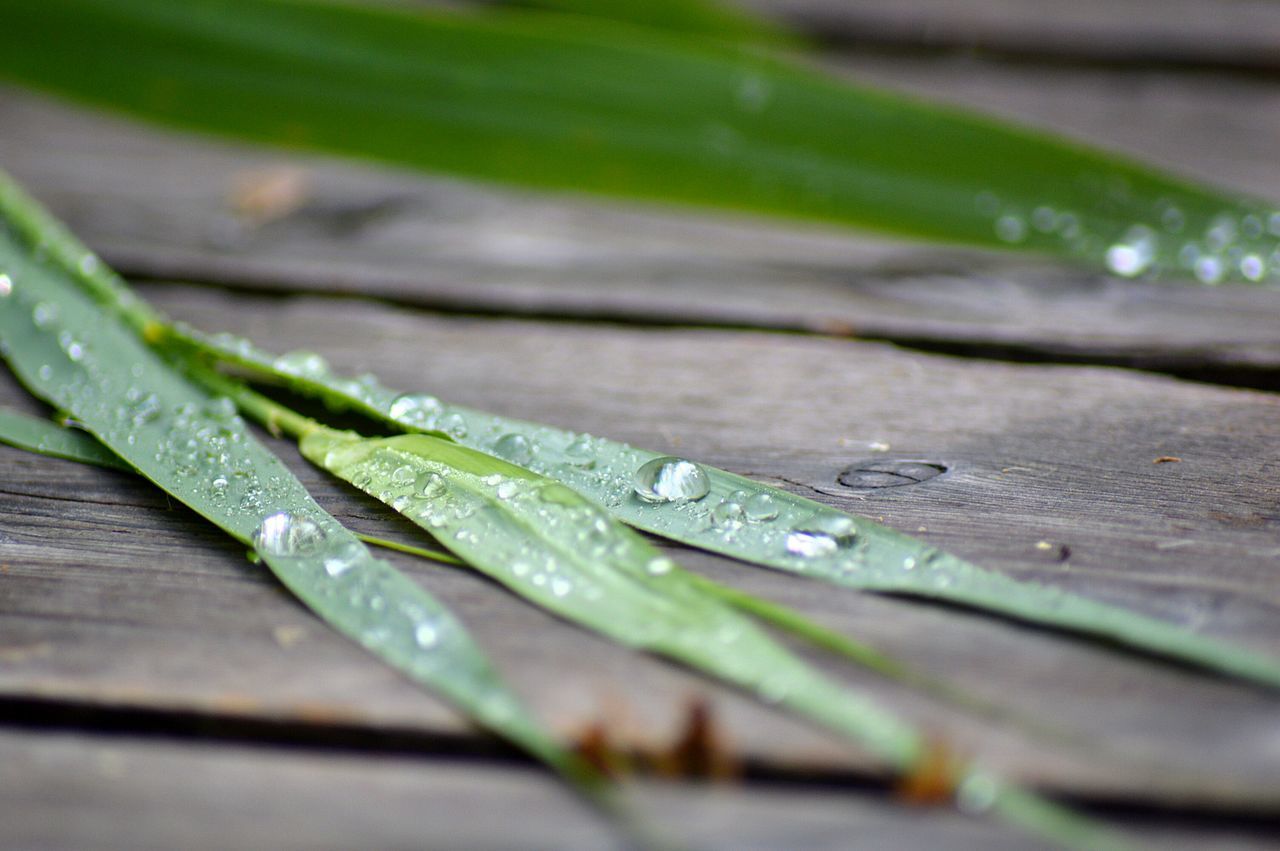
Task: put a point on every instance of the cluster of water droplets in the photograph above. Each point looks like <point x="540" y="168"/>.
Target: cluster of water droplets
<point x="1241" y="245"/>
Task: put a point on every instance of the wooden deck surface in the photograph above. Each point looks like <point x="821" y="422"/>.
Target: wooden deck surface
<point x="159" y="691"/>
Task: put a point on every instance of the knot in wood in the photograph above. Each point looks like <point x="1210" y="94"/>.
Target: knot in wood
<point x="888" y="473"/>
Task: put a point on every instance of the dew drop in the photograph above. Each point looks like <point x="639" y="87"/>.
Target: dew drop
<point x="1044" y="219"/>
<point x="560" y="586"/>
<point x="342" y="559"/>
<point x="403" y="475"/>
<point x="455" y="425"/>
<point x="1253" y="267"/>
<point x="760" y="508"/>
<point x="514" y="447"/>
<point x="1011" y="228"/>
<point x="430" y="485"/>
<point x="581" y="451"/>
<point x="669" y="479"/>
<point x="1208" y="269"/>
<point x="44" y="314"/>
<point x="1134" y="253"/>
<point x="659" y="566"/>
<point x="285" y="534"/>
<point x="728" y="515"/>
<point x="6" y="285"/>
<point x="810" y="544"/>
<point x="302" y="364"/>
<point x="415" y="409"/>
<point x="426" y="635"/>
<point x="507" y="489"/>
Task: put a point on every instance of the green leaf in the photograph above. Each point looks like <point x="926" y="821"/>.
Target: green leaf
<point x="47" y="438"/>
<point x="550" y="545"/>
<point x="81" y="359"/>
<point x="742" y="518"/>
<point x="588" y="105"/>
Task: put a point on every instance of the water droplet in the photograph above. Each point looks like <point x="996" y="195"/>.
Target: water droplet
<point x="221" y="409"/>
<point x="507" y="489"/>
<point x="810" y="544"/>
<point x="219" y="485"/>
<point x="285" y="534"/>
<point x="977" y="793"/>
<point x="1011" y="228"/>
<point x="89" y="264"/>
<point x="455" y="425"/>
<point x="6" y="285"/>
<point x="1134" y="253"/>
<point x="415" y="409"/>
<point x="45" y="372"/>
<point x="1253" y="267"/>
<point x="560" y="586"/>
<point x="659" y="566"/>
<point x="514" y="447"/>
<point x="1044" y="219"/>
<point x="1173" y="220"/>
<point x="728" y="514"/>
<point x="303" y="364"/>
<point x="430" y="485"/>
<point x="909" y="563"/>
<point x="760" y="508"/>
<point x="821" y="534"/>
<point x="342" y="559"/>
<point x="403" y="475"/>
<point x="581" y="452"/>
<point x="426" y="635"/>
<point x="1221" y="233"/>
<point x="753" y="93"/>
<point x="669" y="479"/>
<point x="44" y="314"/>
<point x="1209" y="269"/>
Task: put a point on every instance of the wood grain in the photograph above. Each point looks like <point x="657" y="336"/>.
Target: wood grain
<point x="67" y="791"/>
<point x="108" y="597"/>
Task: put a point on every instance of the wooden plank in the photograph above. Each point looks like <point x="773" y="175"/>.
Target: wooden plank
<point x="68" y="791"/>
<point x="163" y="206"/>
<point x="1238" y="34"/>
<point x="108" y="598"/>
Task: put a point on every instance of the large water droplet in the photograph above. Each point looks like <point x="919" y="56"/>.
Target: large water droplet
<point x="810" y="544"/>
<point x="285" y="534"/>
<point x="338" y="561"/>
<point x="669" y="479"/>
<point x="415" y="409"/>
<point x="455" y="425"/>
<point x="514" y="447"/>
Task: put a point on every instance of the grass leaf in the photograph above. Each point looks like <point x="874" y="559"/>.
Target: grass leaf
<point x="48" y="438"/>
<point x="75" y="355"/>
<point x="587" y="105"/>
<point x="741" y="518"/>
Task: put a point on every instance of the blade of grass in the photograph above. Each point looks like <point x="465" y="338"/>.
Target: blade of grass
<point x="587" y="105"/>
<point x="738" y="517"/>
<point x="77" y="357"/>
<point x="550" y="545"/>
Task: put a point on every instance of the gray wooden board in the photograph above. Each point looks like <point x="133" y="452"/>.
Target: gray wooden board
<point x="111" y="597"/>
<point x="1231" y="33"/>
<point x="72" y="791"/>
<point x="158" y="204"/>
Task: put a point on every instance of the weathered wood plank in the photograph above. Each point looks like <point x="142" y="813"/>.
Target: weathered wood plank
<point x="109" y="598"/>
<point x="1234" y="34"/>
<point x="70" y="791"/>
<point x="165" y="206"/>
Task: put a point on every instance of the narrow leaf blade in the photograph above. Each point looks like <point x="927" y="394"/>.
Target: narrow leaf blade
<point x="69" y="352"/>
<point x="548" y="101"/>
<point x="770" y="527"/>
